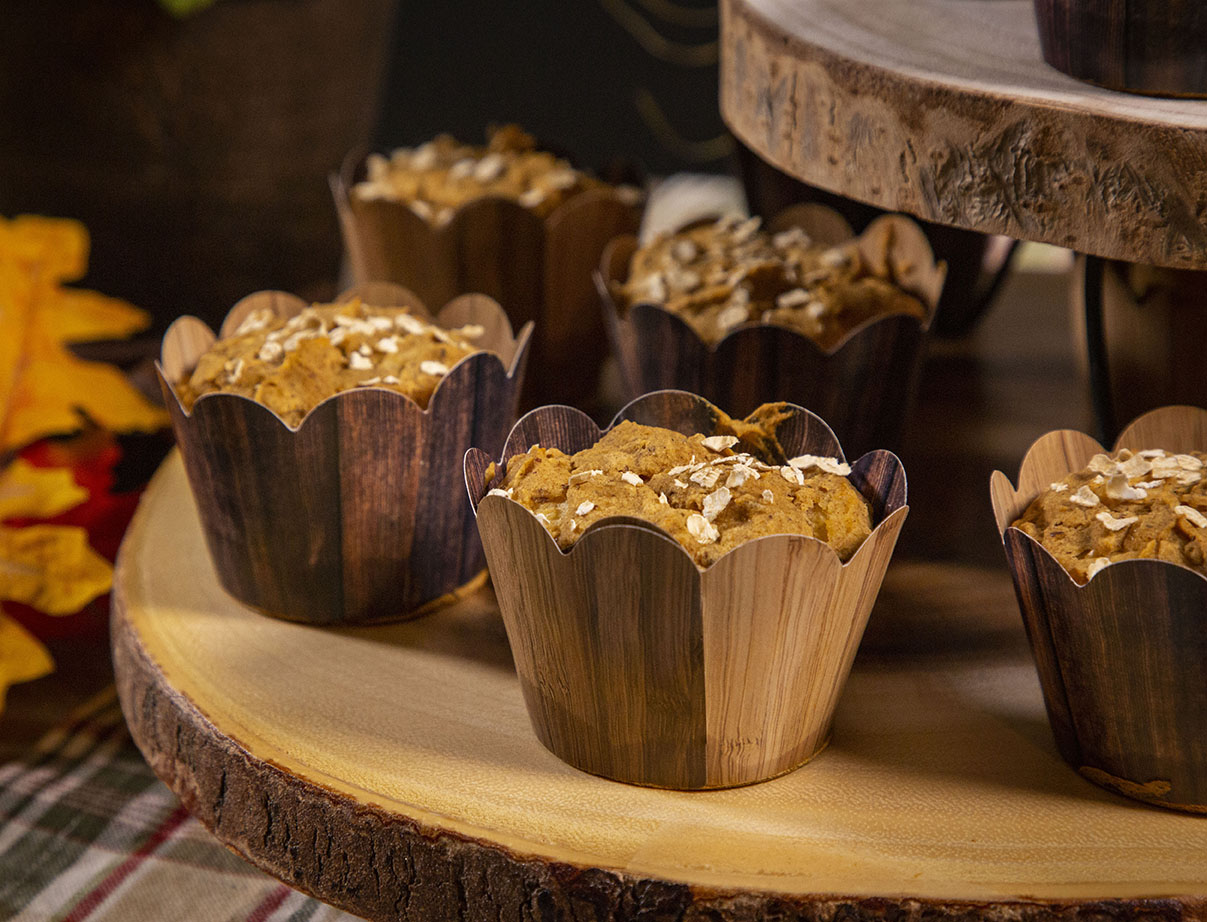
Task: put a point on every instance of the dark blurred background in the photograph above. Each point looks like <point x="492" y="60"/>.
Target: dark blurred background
<point x="605" y="79"/>
<point x="196" y="148"/>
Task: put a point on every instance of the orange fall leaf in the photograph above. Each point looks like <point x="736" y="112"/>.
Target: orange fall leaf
<point x="44" y="389"/>
<point x="37" y="493"/>
<point x="52" y="568"/>
<point x="22" y="657"/>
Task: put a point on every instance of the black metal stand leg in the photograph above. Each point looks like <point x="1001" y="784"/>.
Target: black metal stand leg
<point x="1095" y="341"/>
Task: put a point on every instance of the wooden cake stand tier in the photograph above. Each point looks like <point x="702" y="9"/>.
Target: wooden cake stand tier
<point x="945" y="109"/>
<point x="391" y="770"/>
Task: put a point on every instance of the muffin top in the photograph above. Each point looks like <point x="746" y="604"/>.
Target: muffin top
<point x="721" y="275"/>
<point x="698" y="489"/>
<point x="1150" y="503"/>
<point x="437" y="177"/>
<point x="292" y="364"/>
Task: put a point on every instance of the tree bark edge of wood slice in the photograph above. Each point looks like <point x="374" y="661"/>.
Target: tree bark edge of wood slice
<point x="268" y="815"/>
<point x="944" y="110"/>
<point x="415" y="798"/>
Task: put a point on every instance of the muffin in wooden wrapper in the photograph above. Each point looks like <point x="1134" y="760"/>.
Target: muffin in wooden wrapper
<point x="537" y="268"/>
<point x="357" y="514"/>
<point x="1120" y="658"/>
<point x="638" y="665"/>
<point x="862" y="385"/>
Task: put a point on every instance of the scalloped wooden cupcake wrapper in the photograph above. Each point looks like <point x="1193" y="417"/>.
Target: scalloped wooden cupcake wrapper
<point x="538" y="269"/>
<point x="359" y="514"/>
<point x="639" y="666"/>
<point x="1143" y="46"/>
<point x="1121" y="659"/>
<point x="862" y="386"/>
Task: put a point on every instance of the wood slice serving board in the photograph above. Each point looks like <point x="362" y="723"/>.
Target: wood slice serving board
<point x="945" y="109"/>
<point x="391" y="770"/>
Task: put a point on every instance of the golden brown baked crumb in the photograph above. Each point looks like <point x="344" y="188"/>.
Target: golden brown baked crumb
<point x="721" y="275"/>
<point x="1148" y="504"/>
<point x="707" y="496"/>
<point x="437" y="177"/>
<point x="291" y="365"/>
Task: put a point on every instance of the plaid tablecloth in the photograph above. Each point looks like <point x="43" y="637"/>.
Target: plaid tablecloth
<point x="88" y="832"/>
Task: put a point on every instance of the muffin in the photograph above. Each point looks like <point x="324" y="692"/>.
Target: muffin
<point x="441" y="175"/>
<point x="723" y="274"/>
<point x="694" y="643"/>
<point x="1106" y="554"/>
<point x="509" y="220"/>
<point x="327" y="476"/>
<point x="292" y="364"/>
<point x="1147" y="504"/>
<point x="801" y="311"/>
<point x="698" y="489"/>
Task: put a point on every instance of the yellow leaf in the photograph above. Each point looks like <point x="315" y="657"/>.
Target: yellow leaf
<point x="78" y="315"/>
<point x="22" y="658"/>
<point x="44" y="388"/>
<point x="37" y="492"/>
<point x="14" y="322"/>
<point x="51" y="567"/>
<point x="56" y="388"/>
<point x="56" y="247"/>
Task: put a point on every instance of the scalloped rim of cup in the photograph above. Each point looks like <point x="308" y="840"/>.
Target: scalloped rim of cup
<point x="889" y="222"/>
<point x="342" y="183"/>
<point x="623" y="521"/>
<point x="1000" y="483"/>
<point x="519" y="343"/>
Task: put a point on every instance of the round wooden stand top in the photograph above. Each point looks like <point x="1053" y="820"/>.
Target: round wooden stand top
<point x="945" y="109"/>
<point x="391" y="770"/>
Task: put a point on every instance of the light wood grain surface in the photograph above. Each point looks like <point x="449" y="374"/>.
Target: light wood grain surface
<point x="942" y="782"/>
<point x="946" y="110"/>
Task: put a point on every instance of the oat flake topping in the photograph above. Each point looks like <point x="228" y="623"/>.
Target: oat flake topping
<point x="720" y="442"/>
<point x="701" y="529"/>
<point x="1114" y="524"/>
<point x="292" y="363"/>
<point x="1193" y="515"/>
<point x="1084" y="497"/>
<point x="696" y="488"/>
<point x="1149" y="504"/>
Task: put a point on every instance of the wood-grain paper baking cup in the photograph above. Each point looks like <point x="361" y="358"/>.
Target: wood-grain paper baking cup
<point x="1157" y="47"/>
<point x="538" y="269"/>
<point x="862" y="386"/>
<point x="1122" y="658"/>
<point x="359" y="514"/>
<point x="638" y="665"/>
